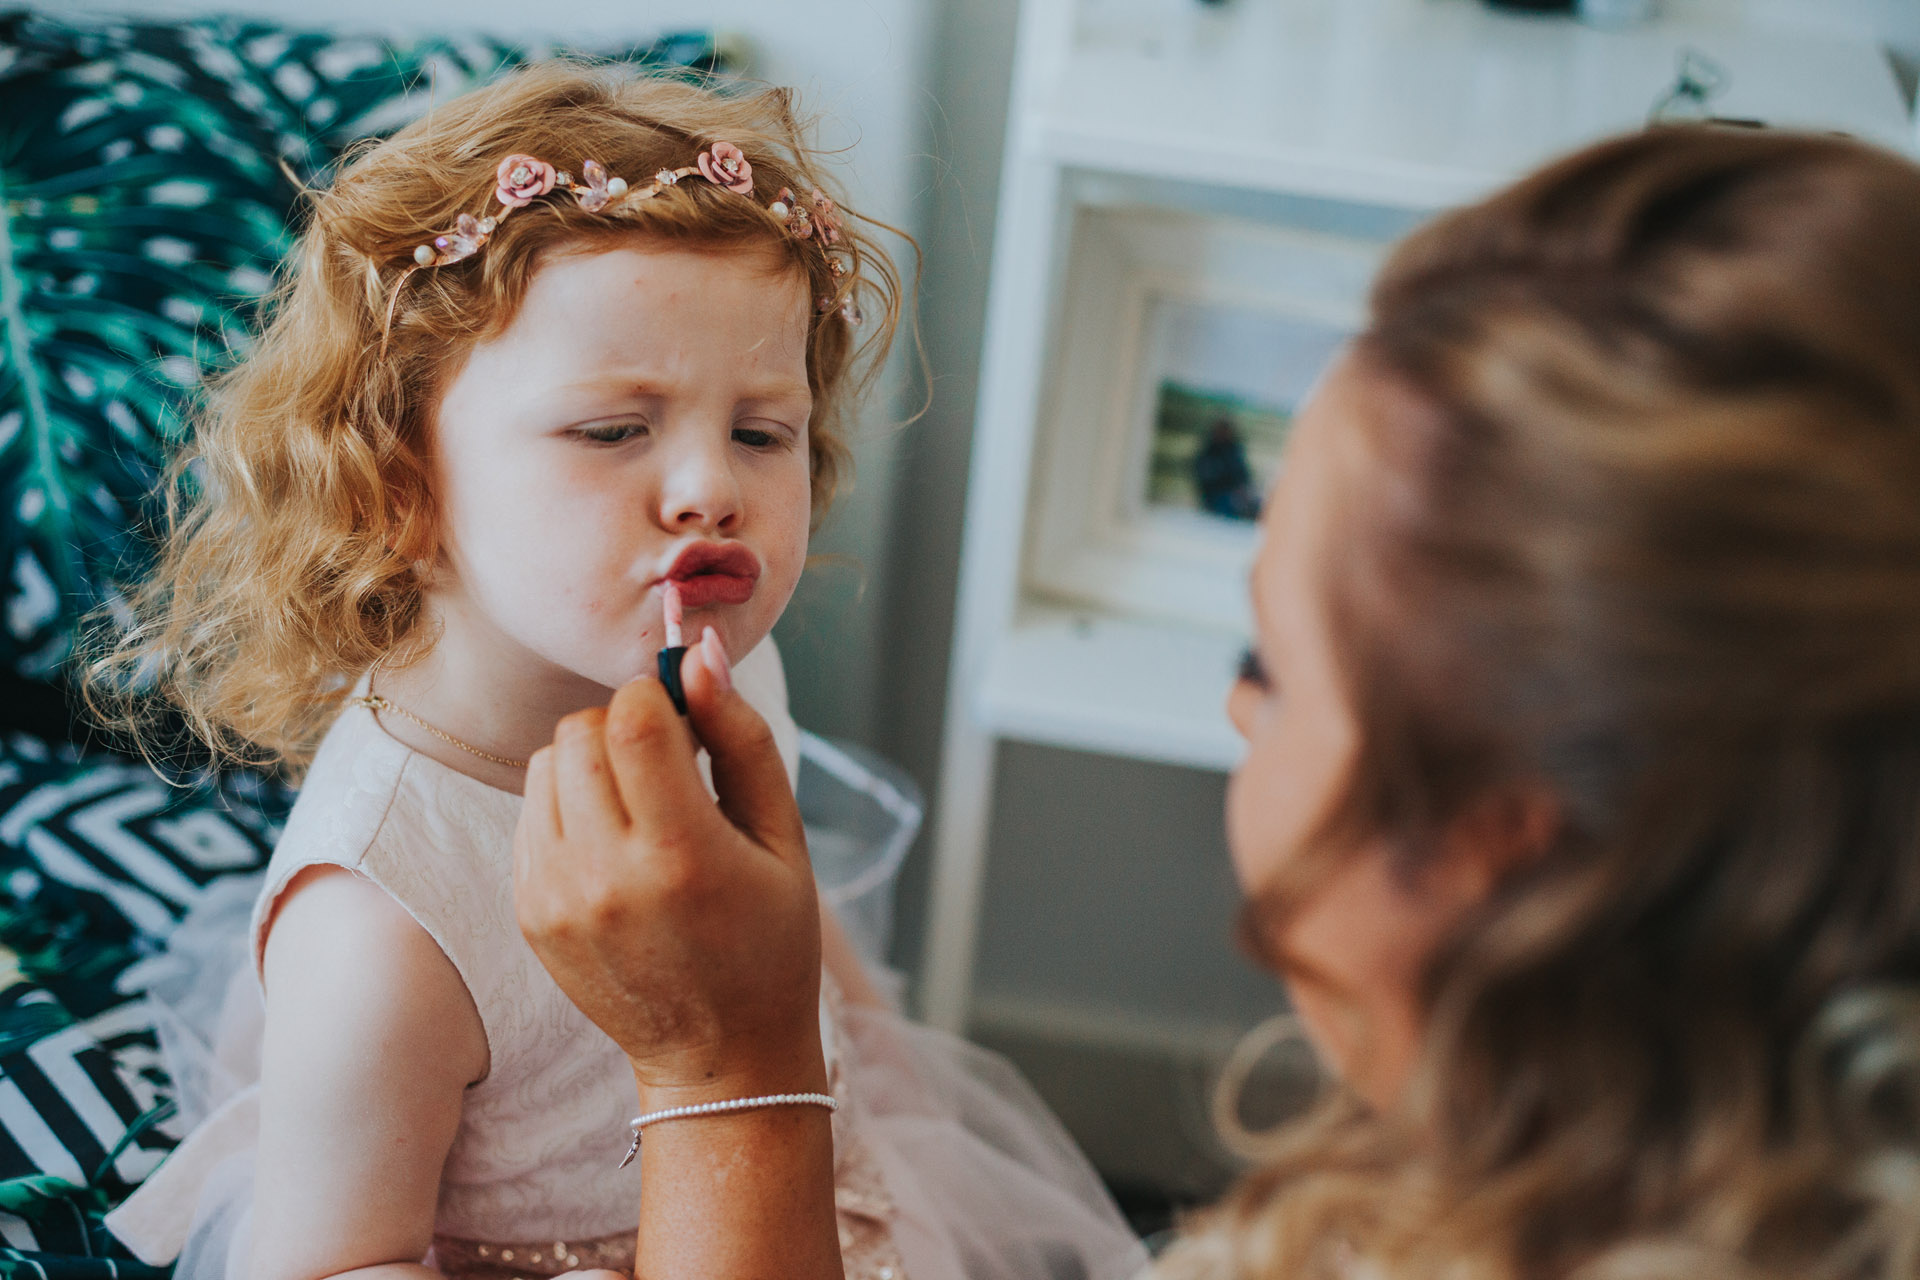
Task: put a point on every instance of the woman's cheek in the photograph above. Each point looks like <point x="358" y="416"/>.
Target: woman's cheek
<point x="1243" y="708"/>
<point x="1252" y="834"/>
<point x="1323" y="1020"/>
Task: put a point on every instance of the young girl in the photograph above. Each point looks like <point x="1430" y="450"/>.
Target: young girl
<point x="566" y="358"/>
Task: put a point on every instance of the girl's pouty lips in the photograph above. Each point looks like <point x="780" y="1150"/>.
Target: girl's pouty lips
<point x="708" y="573"/>
<point x="714" y="588"/>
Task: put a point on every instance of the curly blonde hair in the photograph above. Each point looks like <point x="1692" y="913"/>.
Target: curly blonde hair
<point x="295" y="519"/>
<point x="1643" y="525"/>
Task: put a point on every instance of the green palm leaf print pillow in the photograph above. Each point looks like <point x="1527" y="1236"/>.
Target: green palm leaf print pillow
<point x="148" y="172"/>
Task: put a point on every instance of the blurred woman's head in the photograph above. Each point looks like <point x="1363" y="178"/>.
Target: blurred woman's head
<point x="1582" y="801"/>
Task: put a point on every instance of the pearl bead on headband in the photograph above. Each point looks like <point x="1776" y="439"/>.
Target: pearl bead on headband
<point x="522" y="179"/>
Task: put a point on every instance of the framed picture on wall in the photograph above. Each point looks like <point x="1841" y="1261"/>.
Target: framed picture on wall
<point x="1225" y="382"/>
<point x="1188" y="342"/>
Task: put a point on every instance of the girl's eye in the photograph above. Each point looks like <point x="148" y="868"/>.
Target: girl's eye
<point x="755" y="438"/>
<point x="1252" y="671"/>
<point x="612" y="432"/>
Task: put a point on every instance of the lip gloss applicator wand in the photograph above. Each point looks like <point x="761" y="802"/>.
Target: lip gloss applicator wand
<point x="676" y="650"/>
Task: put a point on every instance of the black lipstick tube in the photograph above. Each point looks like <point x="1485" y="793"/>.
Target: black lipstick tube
<point x="669" y="664"/>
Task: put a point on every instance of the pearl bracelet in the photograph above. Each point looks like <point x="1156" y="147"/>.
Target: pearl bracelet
<point x="640" y="1122"/>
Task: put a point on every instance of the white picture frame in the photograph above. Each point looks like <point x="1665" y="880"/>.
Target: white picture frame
<point x="1143" y="287"/>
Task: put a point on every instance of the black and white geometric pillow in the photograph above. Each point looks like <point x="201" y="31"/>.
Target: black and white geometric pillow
<point x="99" y="859"/>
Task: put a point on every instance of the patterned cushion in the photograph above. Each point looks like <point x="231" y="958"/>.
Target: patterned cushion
<point x="143" y="208"/>
<point x="98" y="859"/>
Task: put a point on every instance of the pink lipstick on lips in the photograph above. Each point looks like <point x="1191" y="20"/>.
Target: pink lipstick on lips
<point x="710" y="573"/>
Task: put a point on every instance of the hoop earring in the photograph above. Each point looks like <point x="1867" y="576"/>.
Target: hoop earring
<point x="1248" y="1052"/>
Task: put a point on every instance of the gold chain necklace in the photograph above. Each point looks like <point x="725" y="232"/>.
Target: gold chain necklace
<point x="375" y="703"/>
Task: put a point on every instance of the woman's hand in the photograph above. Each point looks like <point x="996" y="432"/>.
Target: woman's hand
<point x="688" y="932"/>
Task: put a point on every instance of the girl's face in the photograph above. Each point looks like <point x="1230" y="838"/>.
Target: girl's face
<point x="1353" y="957"/>
<point x="645" y="404"/>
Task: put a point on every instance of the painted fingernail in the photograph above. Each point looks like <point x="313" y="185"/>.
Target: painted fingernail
<point x="716" y="658"/>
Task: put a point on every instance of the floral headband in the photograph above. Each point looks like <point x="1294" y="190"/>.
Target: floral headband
<point x="522" y="179"/>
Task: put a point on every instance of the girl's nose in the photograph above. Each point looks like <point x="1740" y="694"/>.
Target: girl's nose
<point x="700" y="493"/>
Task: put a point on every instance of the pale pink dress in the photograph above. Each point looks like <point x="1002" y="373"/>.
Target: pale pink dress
<point x="946" y="1166"/>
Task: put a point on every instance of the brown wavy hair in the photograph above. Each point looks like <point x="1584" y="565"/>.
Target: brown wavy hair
<point x="1641" y="525"/>
<point x="294" y="520"/>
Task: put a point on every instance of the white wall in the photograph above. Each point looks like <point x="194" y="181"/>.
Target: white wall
<point x="1894" y="23"/>
<point x="972" y="74"/>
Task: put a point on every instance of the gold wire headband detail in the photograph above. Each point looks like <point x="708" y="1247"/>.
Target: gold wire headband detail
<point x="521" y="179"/>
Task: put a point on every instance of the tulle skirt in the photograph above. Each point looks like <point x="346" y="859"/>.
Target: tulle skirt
<point x="978" y="1179"/>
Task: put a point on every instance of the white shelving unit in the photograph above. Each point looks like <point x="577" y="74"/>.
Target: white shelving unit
<point x="1389" y="107"/>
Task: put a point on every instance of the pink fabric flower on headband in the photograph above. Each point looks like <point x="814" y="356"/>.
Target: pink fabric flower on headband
<point x="521" y="179"/>
<point x="726" y="166"/>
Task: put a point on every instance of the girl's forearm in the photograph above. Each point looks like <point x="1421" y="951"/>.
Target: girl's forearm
<point x="390" y="1271"/>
